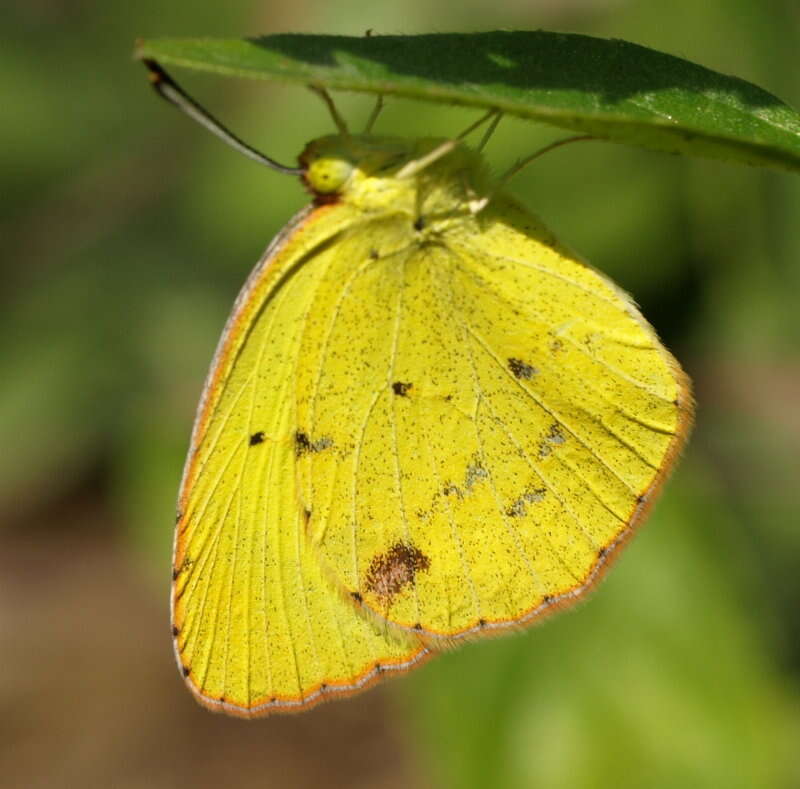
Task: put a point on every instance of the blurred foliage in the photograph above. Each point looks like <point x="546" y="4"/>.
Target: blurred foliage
<point x="127" y="232"/>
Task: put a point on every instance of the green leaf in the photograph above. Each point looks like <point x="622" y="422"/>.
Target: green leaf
<point x="610" y="89"/>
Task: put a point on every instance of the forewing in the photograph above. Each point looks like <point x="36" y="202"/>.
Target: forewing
<point x="257" y="627"/>
<point x="503" y="417"/>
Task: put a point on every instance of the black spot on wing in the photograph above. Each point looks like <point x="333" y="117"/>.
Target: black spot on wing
<point x="521" y="369"/>
<point x="401" y="389"/>
<point x="302" y="444"/>
<point x="257" y="438"/>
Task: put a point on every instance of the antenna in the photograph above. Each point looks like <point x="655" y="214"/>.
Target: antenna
<point x="168" y="89"/>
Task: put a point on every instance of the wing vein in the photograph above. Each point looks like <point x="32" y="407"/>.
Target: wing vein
<point x="489" y="289"/>
<point x="479" y="399"/>
<point x="393" y="415"/>
<point x="557" y="417"/>
<point x="459" y="546"/>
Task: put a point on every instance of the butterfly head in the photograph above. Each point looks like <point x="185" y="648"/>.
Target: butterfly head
<point x="385" y="173"/>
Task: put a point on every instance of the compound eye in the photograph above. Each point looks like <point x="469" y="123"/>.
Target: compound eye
<point x="327" y="175"/>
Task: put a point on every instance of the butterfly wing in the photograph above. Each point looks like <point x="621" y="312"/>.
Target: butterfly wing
<point x="256" y="627"/>
<point x="503" y="417"/>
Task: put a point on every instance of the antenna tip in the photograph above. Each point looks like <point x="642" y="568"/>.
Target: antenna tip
<point x="156" y="73"/>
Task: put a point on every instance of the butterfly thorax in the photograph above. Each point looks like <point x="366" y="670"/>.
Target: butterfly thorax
<point x="383" y="175"/>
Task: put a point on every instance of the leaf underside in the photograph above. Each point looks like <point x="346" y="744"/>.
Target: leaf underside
<point x="611" y="89"/>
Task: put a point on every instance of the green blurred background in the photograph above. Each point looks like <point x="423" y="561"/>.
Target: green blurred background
<point x="126" y="232"/>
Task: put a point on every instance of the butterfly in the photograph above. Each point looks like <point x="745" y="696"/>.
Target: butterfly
<point x="426" y="421"/>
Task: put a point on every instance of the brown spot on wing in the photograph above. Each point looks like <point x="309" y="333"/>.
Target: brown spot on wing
<point x="555" y="434"/>
<point x="555" y="437"/>
<point x="391" y="572"/>
<point x="475" y="473"/>
<point x="303" y="444"/>
<point x="520" y="507"/>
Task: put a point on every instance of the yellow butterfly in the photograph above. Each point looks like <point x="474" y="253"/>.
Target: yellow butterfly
<point x="426" y="421"/>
